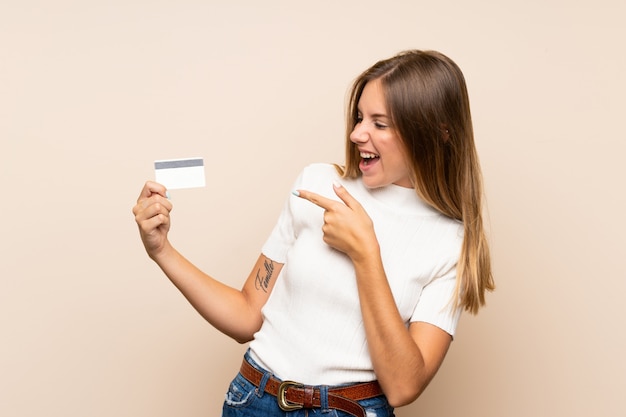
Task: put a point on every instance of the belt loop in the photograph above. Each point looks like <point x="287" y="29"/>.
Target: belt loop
<point x="261" y="389"/>
<point x="324" y="398"/>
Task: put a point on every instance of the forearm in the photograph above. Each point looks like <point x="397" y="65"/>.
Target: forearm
<point x="397" y="359"/>
<point x="404" y="360"/>
<point x="224" y="307"/>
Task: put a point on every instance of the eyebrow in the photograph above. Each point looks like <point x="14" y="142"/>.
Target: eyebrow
<point x="375" y="115"/>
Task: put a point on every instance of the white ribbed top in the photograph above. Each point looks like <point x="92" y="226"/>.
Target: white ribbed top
<point x="313" y="330"/>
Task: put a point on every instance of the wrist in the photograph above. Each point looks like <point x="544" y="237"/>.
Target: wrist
<point x="161" y="253"/>
<point x="367" y="254"/>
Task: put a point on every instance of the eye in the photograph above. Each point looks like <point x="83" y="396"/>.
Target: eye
<point x="380" y="125"/>
<point x="358" y="119"/>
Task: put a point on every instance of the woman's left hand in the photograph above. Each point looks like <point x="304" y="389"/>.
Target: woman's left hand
<point x="347" y="226"/>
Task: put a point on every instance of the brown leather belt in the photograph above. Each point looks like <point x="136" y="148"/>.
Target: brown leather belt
<point x="294" y="396"/>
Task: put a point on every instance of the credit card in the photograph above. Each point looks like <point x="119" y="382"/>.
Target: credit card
<point x="180" y="173"/>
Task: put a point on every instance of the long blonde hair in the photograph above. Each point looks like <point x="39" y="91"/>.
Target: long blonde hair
<point x="427" y="101"/>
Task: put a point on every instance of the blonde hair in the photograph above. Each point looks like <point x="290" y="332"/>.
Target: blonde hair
<point x="428" y="104"/>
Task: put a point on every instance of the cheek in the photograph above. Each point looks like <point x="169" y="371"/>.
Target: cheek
<point x="396" y="151"/>
<point x="398" y="155"/>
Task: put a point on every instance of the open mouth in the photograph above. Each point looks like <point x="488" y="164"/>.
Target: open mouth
<point x="369" y="158"/>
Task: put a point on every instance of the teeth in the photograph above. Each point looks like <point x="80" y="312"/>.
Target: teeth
<point x="367" y="155"/>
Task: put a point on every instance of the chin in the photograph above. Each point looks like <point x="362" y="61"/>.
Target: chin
<point x="371" y="183"/>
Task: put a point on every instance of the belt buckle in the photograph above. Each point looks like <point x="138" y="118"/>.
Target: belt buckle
<point x="281" y="396"/>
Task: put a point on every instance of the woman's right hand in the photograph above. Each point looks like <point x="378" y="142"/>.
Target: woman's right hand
<point x="236" y="313"/>
<point x="152" y="214"/>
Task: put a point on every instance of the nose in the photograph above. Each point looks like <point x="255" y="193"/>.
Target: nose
<point x="359" y="133"/>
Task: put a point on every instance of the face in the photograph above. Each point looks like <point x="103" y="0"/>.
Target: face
<point x="383" y="159"/>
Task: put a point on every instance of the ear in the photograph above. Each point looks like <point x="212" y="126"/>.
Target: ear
<point x="445" y="132"/>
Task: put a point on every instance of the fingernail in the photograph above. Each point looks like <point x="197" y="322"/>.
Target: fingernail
<point x="296" y="193"/>
<point x="167" y="195"/>
<point x="336" y="184"/>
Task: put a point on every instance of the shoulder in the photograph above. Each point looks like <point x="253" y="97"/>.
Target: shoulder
<point x="321" y="169"/>
<point x="318" y="175"/>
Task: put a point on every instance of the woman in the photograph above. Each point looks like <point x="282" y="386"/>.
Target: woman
<point x="354" y="300"/>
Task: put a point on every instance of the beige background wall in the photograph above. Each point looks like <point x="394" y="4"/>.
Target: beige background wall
<point x="91" y="92"/>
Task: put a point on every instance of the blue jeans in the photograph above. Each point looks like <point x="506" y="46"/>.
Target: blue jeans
<point x="244" y="399"/>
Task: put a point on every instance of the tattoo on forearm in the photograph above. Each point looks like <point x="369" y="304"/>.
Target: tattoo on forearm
<point x="262" y="283"/>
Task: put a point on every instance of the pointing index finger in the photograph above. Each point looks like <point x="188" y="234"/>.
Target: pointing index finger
<point x="318" y="200"/>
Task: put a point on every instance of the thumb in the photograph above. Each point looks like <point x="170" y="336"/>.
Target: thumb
<point x="151" y="188"/>
<point x="345" y="196"/>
